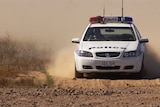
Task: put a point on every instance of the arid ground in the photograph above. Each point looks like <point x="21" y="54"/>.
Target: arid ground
<point x="86" y="93"/>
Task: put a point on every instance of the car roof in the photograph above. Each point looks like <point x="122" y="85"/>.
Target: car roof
<point x="110" y="25"/>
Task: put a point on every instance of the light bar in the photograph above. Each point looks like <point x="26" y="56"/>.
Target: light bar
<point x="100" y="19"/>
<point x="118" y="19"/>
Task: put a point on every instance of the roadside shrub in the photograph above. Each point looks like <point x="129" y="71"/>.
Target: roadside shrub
<point x="19" y="58"/>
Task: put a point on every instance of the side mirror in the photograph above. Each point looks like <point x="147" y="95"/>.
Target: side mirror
<point x="75" y="40"/>
<point x="143" y="40"/>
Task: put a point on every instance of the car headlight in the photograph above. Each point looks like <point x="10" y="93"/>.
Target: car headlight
<point x="130" y="54"/>
<point x="84" y="53"/>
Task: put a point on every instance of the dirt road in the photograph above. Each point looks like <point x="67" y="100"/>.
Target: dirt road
<point x="99" y="92"/>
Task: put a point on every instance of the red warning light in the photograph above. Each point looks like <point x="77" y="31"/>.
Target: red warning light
<point x="97" y="19"/>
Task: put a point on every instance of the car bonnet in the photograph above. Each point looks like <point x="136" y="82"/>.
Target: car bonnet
<point x="113" y="46"/>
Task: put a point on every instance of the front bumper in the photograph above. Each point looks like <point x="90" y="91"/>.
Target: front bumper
<point x="107" y="65"/>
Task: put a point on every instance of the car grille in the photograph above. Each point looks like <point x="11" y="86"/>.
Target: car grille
<point x="107" y="68"/>
<point x="107" y="54"/>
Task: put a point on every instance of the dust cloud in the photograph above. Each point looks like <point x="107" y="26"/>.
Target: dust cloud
<point x="63" y="64"/>
<point x="53" y="23"/>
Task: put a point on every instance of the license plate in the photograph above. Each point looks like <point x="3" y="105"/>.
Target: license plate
<point x="107" y="63"/>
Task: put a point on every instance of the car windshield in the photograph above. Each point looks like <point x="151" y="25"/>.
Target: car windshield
<point x="109" y="34"/>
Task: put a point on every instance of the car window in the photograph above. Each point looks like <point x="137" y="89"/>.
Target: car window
<point x="137" y="32"/>
<point x="109" y="34"/>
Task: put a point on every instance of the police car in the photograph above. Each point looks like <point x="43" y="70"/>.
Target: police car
<point x="109" y="44"/>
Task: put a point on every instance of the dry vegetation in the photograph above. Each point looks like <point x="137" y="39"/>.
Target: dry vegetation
<point x="18" y="59"/>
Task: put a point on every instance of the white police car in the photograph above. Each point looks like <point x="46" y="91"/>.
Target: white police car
<point x="109" y="44"/>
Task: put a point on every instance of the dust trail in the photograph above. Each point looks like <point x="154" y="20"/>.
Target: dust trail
<point x="63" y="63"/>
<point x="152" y="63"/>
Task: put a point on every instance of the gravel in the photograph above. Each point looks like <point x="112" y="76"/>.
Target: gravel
<point x="80" y="97"/>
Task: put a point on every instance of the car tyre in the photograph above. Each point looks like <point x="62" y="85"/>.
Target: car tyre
<point x="77" y="74"/>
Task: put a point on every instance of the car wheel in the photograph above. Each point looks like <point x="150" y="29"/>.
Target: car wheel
<point x="77" y="74"/>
